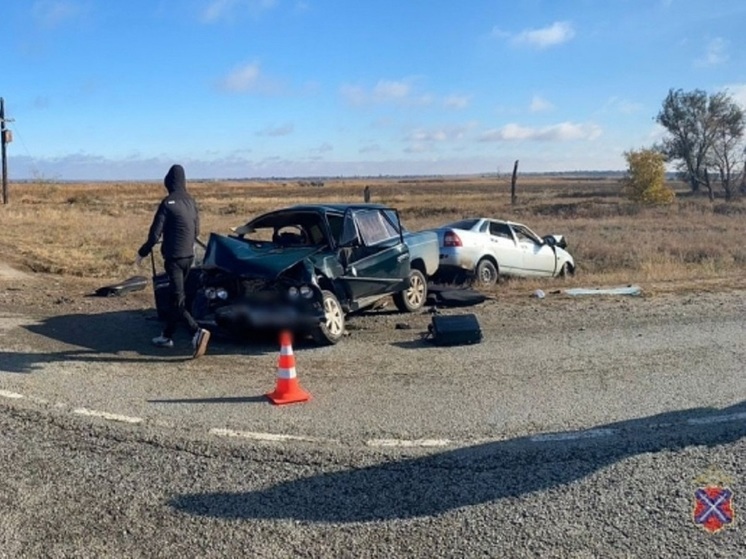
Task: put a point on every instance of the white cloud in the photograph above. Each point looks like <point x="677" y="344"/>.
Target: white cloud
<point x="248" y="78"/>
<point x="53" y="13"/>
<point x="556" y="34"/>
<point x="539" y="104"/>
<point x="388" y="90"/>
<point x="419" y="136"/>
<point x="562" y="132"/>
<point x="448" y="133"/>
<point x="456" y="101"/>
<point x="230" y="10"/>
<point x="623" y="106"/>
<point x="326" y="147"/>
<point x="354" y="94"/>
<point x="656" y="133"/>
<point x="714" y="55"/>
<point x="417" y="147"/>
<point x="241" y="79"/>
<point x="737" y="92"/>
<point x="401" y="92"/>
<point x="274" y="131"/>
<point x="370" y="148"/>
<point x="301" y="6"/>
<point x="240" y="164"/>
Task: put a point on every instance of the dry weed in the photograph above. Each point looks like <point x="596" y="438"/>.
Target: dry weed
<point x="95" y="229"/>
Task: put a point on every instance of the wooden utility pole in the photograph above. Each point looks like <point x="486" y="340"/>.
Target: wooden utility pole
<point x="4" y="136"/>
<point x="512" y="183"/>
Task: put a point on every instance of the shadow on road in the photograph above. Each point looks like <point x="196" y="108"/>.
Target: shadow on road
<point x="111" y="336"/>
<point x="436" y="484"/>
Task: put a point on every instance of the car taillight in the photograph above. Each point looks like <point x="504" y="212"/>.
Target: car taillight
<point x="450" y="239"/>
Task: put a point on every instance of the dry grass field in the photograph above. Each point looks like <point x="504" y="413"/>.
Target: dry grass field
<point x="93" y="230"/>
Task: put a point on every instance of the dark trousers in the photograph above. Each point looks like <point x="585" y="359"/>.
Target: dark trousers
<point x="177" y="270"/>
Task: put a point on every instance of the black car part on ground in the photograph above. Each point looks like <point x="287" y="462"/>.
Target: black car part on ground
<point x="130" y="285"/>
<point x="452" y="330"/>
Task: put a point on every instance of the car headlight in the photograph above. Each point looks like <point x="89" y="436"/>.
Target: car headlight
<point x="306" y="292"/>
<point x="221" y="293"/>
<point x="293" y="292"/>
<point x="210" y="293"/>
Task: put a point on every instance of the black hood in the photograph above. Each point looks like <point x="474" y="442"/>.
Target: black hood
<point x="175" y="179"/>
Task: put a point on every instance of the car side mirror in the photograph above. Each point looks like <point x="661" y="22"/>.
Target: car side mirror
<point x="550" y="240"/>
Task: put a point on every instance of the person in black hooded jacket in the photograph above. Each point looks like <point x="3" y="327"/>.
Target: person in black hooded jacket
<point x="177" y="220"/>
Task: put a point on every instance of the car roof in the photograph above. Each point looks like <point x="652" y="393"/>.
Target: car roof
<point x="480" y="219"/>
<point x="341" y="207"/>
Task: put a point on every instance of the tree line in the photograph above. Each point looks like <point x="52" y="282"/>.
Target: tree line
<point x="704" y="140"/>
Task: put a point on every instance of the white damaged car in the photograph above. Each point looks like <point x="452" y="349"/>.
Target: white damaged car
<point x="490" y="248"/>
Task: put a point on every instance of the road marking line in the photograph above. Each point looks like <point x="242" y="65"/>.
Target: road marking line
<point x="716" y="419"/>
<point x="107" y="415"/>
<point x="271" y="437"/>
<point x="409" y="443"/>
<point x="11" y="395"/>
<point x="589" y="434"/>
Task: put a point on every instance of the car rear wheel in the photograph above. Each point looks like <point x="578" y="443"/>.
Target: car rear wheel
<point x="331" y="330"/>
<point x="414" y="297"/>
<point x="486" y="273"/>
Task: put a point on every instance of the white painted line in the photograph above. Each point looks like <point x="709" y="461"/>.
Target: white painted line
<point x="269" y="437"/>
<point x="716" y="419"/>
<point x="11" y="395"/>
<point x="108" y="416"/>
<point x="409" y="443"/>
<point x="590" y="434"/>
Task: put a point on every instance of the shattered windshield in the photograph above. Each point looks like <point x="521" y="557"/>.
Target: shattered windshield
<point x="288" y="229"/>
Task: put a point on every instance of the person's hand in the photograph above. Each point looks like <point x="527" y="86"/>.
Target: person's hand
<point x="138" y="261"/>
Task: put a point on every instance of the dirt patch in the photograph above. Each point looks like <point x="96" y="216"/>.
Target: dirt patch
<point x="6" y="272"/>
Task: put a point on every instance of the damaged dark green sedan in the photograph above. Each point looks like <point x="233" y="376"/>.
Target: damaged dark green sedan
<point x="305" y="267"/>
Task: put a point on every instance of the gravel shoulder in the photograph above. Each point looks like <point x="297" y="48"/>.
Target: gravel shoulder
<point x="552" y="365"/>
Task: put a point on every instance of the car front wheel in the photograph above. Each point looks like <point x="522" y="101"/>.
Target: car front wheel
<point x="331" y="330"/>
<point x="414" y="297"/>
<point x="566" y="271"/>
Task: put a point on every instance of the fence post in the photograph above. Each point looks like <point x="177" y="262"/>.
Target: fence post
<point x="512" y="183"/>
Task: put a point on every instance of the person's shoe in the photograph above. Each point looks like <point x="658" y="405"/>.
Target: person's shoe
<point x="199" y="342"/>
<point x="163" y="341"/>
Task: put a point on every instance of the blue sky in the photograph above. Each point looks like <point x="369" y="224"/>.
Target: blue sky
<point x="120" y="89"/>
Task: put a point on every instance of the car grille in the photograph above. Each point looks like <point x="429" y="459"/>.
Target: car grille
<point x="261" y="291"/>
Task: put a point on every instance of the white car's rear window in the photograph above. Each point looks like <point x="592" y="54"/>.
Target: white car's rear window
<point x="463" y="224"/>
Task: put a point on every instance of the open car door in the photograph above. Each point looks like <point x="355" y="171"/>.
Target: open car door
<point x="538" y="257"/>
<point x="373" y="253"/>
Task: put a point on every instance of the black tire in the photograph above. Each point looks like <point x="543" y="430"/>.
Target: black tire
<point x="332" y="329"/>
<point x="414" y="297"/>
<point x="566" y="271"/>
<point x="485" y="274"/>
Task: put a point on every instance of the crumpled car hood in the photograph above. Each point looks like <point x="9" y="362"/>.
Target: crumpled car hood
<point x="241" y="258"/>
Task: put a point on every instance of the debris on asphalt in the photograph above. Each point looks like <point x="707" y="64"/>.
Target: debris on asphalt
<point x="631" y="290"/>
<point x="135" y="283"/>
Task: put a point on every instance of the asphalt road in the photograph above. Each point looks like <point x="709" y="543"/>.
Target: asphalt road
<point x="72" y="488"/>
<point x="578" y="428"/>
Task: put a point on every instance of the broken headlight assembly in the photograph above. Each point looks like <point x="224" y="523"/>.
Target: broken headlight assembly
<point x="213" y="293"/>
<point x="304" y="292"/>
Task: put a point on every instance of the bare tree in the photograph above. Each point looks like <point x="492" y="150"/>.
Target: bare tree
<point x="726" y="157"/>
<point x="704" y="131"/>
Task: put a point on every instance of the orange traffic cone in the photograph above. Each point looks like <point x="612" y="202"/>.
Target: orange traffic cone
<point x="288" y="389"/>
